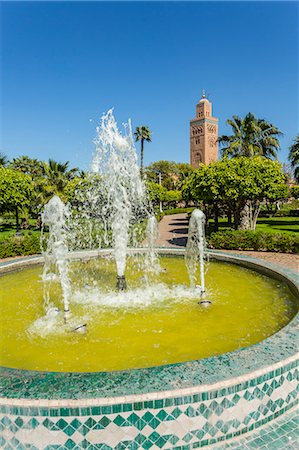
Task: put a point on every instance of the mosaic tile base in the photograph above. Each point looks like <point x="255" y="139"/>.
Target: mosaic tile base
<point x="280" y="434"/>
<point x="180" y="422"/>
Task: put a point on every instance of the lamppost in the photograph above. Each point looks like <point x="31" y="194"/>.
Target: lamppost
<point x="160" y="183"/>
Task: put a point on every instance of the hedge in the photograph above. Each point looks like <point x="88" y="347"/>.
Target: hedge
<point x="20" y="245"/>
<point x="227" y="240"/>
<point x="253" y="240"/>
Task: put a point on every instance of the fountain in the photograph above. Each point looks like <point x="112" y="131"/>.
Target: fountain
<point x="154" y="369"/>
<point x="195" y="248"/>
<point x="56" y="265"/>
<point x="115" y="160"/>
<point x="54" y="216"/>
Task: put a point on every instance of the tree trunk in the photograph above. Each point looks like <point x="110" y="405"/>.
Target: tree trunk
<point x="17" y="221"/>
<point x="141" y="157"/>
<point x="245" y="217"/>
<point x="216" y="221"/>
<point x="236" y="219"/>
<point x="229" y="218"/>
<point x="255" y="214"/>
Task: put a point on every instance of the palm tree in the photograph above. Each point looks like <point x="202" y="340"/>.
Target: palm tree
<point x="294" y="157"/>
<point x="251" y="137"/>
<point x="30" y="166"/>
<point x="3" y="159"/>
<point x="142" y="134"/>
<point x="58" y="175"/>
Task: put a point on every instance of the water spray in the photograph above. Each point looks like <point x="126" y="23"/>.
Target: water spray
<point x="55" y="216"/>
<point x="115" y="161"/>
<point x="195" y="250"/>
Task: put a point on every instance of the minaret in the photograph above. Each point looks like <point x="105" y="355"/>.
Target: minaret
<point x="203" y="134"/>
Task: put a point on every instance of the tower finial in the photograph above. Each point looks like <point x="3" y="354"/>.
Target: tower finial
<point x="203" y="93"/>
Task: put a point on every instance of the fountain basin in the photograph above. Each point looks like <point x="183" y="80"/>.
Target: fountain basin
<point x="195" y="403"/>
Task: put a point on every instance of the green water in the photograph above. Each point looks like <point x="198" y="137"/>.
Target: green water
<point x="149" y="325"/>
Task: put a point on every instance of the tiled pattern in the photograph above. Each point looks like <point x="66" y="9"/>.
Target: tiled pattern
<point x="189" y="422"/>
<point x="282" y="433"/>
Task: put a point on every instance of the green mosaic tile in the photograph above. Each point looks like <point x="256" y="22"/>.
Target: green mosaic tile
<point x="120" y="421"/>
<point x="248" y="396"/>
<point x="19" y="422"/>
<point x="133" y="418"/>
<point x="32" y="423"/>
<point x="162" y="414"/>
<point x="187" y="438"/>
<point x="173" y="440"/>
<point x="148" y="416"/>
<point x="140" y="438"/>
<point x="83" y="430"/>
<point x="69" y="430"/>
<point x="154" y="423"/>
<point x="161" y="442"/>
<point x="191" y="412"/>
<point x="104" y="421"/>
<point x="236" y="398"/>
<point x="90" y="422"/>
<point x="140" y="424"/>
<point x="138" y="406"/>
<point x="176" y="413"/>
<point x="116" y="409"/>
<point x="169" y="418"/>
<point x="147" y="444"/>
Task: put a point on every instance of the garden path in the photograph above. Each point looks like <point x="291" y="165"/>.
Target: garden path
<point x="173" y="232"/>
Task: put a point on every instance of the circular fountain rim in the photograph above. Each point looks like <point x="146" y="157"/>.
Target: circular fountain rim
<point x="225" y="369"/>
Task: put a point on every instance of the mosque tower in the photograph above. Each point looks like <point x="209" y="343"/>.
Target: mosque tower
<point x="203" y="134"/>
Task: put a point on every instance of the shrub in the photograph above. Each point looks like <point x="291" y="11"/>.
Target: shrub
<point x="253" y="240"/>
<point x="294" y="191"/>
<point x="17" y="246"/>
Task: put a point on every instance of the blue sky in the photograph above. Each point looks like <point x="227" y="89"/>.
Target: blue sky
<point x="65" y="63"/>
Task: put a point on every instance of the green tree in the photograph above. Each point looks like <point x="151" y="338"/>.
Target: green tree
<point x="294" y="157"/>
<point x="172" y="197"/>
<point x="231" y="184"/>
<point x="172" y="174"/>
<point x="16" y="191"/>
<point x="142" y="134"/>
<point x="3" y="159"/>
<point x="251" y="137"/>
<point x="35" y="169"/>
<point x="156" y="192"/>
<point x="294" y="192"/>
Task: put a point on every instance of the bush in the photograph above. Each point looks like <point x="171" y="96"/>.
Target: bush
<point x="20" y="246"/>
<point x="253" y="240"/>
<point x="294" y="191"/>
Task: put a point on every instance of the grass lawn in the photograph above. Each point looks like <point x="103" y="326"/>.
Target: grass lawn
<point x="278" y="224"/>
<point x="288" y="225"/>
